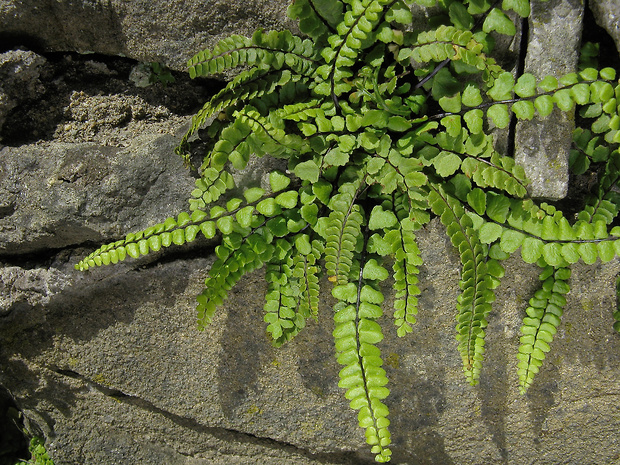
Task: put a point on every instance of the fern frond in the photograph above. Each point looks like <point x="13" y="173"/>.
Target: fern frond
<point x="356" y="332"/>
<point x="317" y="18"/>
<point x="398" y="241"/>
<point x="232" y="264"/>
<point x="355" y="28"/>
<point x="306" y="270"/>
<point x="475" y="156"/>
<point x="406" y="261"/>
<point x="474" y="303"/>
<point x="177" y="231"/>
<point x="343" y="233"/>
<point x="451" y="43"/>
<point x="246" y="86"/>
<point x="210" y="187"/>
<point x="266" y="138"/>
<point x="271" y="49"/>
<point x="283" y="296"/>
<point x="587" y="148"/>
<point x="541" y="323"/>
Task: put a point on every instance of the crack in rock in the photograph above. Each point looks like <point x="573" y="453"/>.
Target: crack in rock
<point x="226" y="434"/>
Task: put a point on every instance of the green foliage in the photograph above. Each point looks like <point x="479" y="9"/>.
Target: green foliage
<point x="160" y="73"/>
<point x="39" y="455"/>
<point x="383" y="128"/>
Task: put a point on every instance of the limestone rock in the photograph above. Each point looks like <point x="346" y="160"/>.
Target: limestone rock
<point x="57" y="195"/>
<point x="542" y="145"/>
<point x="169" y="32"/>
<point x="19" y="79"/>
<point x="607" y="15"/>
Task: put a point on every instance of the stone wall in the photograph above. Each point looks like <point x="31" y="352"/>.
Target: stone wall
<point x="109" y="366"/>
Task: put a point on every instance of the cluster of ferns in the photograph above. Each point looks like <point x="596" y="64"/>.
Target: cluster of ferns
<point x="384" y="128"/>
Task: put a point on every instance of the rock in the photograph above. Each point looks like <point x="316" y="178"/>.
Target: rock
<point x="607" y="15"/>
<point x="112" y="370"/>
<point x="160" y="31"/>
<point x="58" y="195"/>
<point x="19" y="80"/>
<point x="542" y="145"/>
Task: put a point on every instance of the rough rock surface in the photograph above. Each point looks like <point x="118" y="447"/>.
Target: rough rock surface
<point x="109" y="366"/>
<point x="607" y="15"/>
<point x="19" y="79"/>
<point x="543" y="149"/>
<point x="145" y="30"/>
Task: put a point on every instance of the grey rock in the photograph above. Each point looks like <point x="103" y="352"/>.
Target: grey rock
<point x="169" y="32"/>
<point x="19" y="79"/>
<point x="113" y="371"/>
<point x="542" y="146"/>
<point x="56" y="195"/>
<point x="31" y="287"/>
<point x="607" y="15"/>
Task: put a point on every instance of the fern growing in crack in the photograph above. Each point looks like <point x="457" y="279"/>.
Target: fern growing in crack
<point x="384" y="128"/>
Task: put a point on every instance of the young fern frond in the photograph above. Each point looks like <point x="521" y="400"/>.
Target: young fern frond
<point x="232" y="264"/>
<point x="406" y="261"/>
<point x="541" y="323"/>
<point x="283" y="296"/>
<point x="306" y="270"/>
<point x="177" y="231"/>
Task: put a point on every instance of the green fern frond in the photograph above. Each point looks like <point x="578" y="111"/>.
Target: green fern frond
<point x="343" y="232"/>
<point x="352" y="32"/>
<point x="177" y="231"/>
<point x="474" y="303"/>
<point x="246" y="86"/>
<point x="406" y="261"/>
<point x="306" y="270"/>
<point x="283" y="296"/>
<point x="317" y="18"/>
<point x="252" y="252"/>
<point x="457" y="45"/>
<point x="587" y="148"/>
<point x="267" y="138"/>
<point x="541" y="323"/>
<point x="356" y="334"/>
<point x="271" y="49"/>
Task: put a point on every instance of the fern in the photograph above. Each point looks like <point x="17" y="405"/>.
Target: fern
<point x="383" y="128"/>
<point x="543" y="318"/>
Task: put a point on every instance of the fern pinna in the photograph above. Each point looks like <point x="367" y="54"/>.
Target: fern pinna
<point x="384" y="128"/>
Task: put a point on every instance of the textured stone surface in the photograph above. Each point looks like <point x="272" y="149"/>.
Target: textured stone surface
<point x="19" y="79"/>
<point x="607" y="15"/>
<point x="56" y="195"/>
<point x="542" y="146"/>
<point x="169" y="32"/>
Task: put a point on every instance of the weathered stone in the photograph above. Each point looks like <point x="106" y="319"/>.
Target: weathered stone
<point x="113" y="370"/>
<point x="57" y="195"/>
<point x="607" y="15"/>
<point x="169" y="32"/>
<point x="542" y="146"/>
<point x="19" y="79"/>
